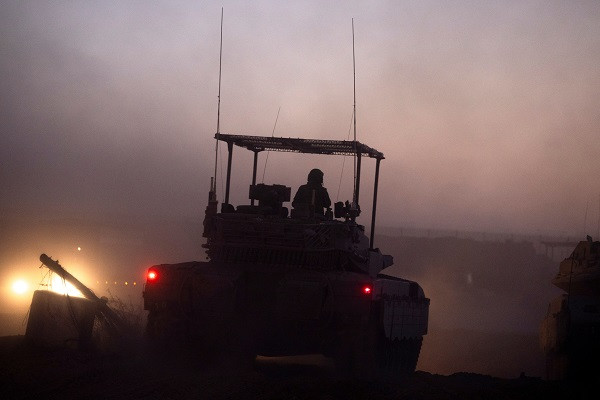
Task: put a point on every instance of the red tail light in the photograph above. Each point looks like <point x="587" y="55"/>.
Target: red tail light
<point x="367" y="289"/>
<point x="152" y="275"/>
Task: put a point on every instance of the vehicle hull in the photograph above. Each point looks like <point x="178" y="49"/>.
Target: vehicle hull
<point x="276" y="310"/>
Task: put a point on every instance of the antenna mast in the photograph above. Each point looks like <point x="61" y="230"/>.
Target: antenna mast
<point x="598" y="228"/>
<point x="587" y="205"/>
<point x="354" y="199"/>
<point x="213" y="188"/>
<point x="272" y="134"/>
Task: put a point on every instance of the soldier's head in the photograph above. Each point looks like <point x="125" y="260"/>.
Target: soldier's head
<point x="315" y="176"/>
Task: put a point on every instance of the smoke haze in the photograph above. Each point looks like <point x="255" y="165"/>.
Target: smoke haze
<point x="487" y="113"/>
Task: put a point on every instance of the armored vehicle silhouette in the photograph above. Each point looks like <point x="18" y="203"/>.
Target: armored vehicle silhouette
<point x="570" y="332"/>
<point x="288" y="282"/>
<point x="580" y="272"/>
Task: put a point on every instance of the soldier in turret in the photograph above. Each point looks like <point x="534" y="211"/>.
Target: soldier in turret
<point x="313" y="194"/>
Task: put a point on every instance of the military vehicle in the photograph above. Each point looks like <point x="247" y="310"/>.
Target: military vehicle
<point x="580" y="272"/>
<point x="570" y="332"/>
<point x="289" y="282"/>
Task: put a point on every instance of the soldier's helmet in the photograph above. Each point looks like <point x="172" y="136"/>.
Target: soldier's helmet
<point x="315" y="175"/>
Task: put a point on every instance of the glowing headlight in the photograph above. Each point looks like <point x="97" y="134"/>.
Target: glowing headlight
<point x="20" y="286"/>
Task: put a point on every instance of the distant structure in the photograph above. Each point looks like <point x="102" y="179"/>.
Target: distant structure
<point x="550" y="245"/>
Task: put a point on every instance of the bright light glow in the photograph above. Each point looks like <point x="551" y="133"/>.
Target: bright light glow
<point x="367" y="290"/>
<point x="20" y="286"/>
<point x="78" y="248"/>
<point x="59" y="285"/>
<point x="152" y="275"/>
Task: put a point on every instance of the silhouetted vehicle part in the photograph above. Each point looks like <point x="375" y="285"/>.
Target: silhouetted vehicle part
<point x="570" y="332"/>
<point x="111" y="320"/>
<point x="580" y="272"/>
<point x="60" y="321"/>
<point x="283" y="285"/>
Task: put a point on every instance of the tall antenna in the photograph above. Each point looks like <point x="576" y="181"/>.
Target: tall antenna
<point x="272" y="134"/>
<point x="214" y="181"/>
<point x="344" y="161"/>
<point x="598" y="226"/>
<point x="587" y="205"/>
<point x="354" y="200"/>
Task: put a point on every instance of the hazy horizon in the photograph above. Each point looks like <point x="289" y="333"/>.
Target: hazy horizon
<point x="488" y="115"/>
<point x="489" y="295"/>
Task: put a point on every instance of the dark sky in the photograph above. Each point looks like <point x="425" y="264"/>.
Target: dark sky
<point x="488" y="112"/>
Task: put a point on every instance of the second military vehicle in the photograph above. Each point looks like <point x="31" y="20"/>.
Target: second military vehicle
<point x="570" y="332"/>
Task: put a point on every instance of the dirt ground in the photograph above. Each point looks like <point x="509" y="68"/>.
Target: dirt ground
<point x="27" y="372"/>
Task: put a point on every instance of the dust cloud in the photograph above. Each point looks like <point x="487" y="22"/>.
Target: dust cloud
<point x="488" y="295"/>
<point x="487" y="115"/>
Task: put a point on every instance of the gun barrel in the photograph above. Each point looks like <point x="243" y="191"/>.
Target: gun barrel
<point x="55" y="267"/>
<point x="104" y="309"/>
